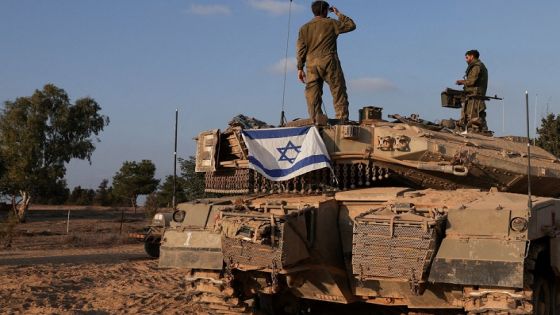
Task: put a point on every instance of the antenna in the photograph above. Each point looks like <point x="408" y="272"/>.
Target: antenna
<point x="503" y="117"/>
<point x="282" y="115"/>
<point x="535" y="118"/>
<point x="175" y="162"/>
<point x="529" y="201"/>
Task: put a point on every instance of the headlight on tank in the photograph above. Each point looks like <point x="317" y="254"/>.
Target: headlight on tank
<point x="179" y="216"/>
<point x="158" y="219"/>
<point x="518" y="224"/>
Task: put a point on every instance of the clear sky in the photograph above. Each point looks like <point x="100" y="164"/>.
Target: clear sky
<point x="212" y="60"/>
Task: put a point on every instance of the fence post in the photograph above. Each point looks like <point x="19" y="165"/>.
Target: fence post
<point x="68" y="223"/>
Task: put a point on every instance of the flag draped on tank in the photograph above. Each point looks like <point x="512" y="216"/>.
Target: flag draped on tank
<point x="284" y="153"/>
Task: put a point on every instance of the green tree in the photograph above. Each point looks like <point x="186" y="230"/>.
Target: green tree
<point x="116" y="200"/>
<point x="103" y="194"/>
<point x="80" y="196"/>
<point x="56" y="194"/>
<point x="134" y="179"/>
<point x="164" y="195"/>
<point x="549" y="134"/>
<point x="39" y="134"/>
<point x="193" y="182"/>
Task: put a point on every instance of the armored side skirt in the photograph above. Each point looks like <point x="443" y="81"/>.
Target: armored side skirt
<point x="488" y="262"/>
<point x="191" y="249"/>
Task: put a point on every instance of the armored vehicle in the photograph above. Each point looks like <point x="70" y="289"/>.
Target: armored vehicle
<point x="408" y="216"/>
<point x="151" y="235"/>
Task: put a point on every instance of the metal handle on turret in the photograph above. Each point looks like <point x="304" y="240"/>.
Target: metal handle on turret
<point x="457" y="170"/>
<point x="460" y="170"/>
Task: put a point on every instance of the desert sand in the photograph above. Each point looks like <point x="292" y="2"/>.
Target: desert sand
<point x="94" y="269"/>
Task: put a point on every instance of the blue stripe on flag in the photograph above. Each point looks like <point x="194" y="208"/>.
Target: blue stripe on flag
<point x="275" y="133"/>
<point x="313" y="159"/>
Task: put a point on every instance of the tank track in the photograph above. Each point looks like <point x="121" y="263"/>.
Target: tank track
<point x="516" y="304"/>
<point x="212" y="293"/>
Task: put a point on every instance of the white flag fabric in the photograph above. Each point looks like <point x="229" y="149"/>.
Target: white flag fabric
<point x="284" y="153"/>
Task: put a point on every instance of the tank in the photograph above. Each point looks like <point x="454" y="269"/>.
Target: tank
<point x="409" y="217"/>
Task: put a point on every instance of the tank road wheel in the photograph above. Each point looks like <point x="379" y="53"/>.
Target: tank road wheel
<point x="151" y="246"/>
<point x="212" y="293"/>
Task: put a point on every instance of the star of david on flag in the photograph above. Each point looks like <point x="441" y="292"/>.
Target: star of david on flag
<point x="284" y="153"/>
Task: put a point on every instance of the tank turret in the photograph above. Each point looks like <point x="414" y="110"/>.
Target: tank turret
<point x="407" y="151"/>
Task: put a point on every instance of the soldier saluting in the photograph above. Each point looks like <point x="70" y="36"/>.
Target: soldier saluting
<point x="316" y="50"/>
<point x="475" y="83"/>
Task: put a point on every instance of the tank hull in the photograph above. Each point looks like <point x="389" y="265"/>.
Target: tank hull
<point x="409" y="216"/>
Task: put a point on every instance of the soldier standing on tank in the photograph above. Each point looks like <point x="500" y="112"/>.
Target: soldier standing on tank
<point x="475" y="83"/>
<point x="316" y="50"/>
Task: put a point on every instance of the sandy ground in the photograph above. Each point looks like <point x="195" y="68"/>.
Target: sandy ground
<point x="94" y="269"/>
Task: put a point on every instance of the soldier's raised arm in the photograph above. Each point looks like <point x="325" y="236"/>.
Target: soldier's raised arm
<point x="345" y="24"/>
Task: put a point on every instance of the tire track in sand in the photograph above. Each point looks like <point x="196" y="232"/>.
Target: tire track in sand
<point x="123" y="286"/>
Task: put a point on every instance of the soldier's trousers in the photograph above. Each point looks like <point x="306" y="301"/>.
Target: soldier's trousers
<point x="474" y="113"/>
<point x="325" y="69"/>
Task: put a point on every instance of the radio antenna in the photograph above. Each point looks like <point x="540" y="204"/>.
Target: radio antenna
<point x="535" y="118"/>
<point x="503" y="118"/>
<point x="173" y="202"/>
<point x="282" y="114"/>
<point x="529" y="201"/>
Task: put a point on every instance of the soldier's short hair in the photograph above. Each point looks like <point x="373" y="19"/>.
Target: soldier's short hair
<point x="473" y="52"/>
<point x="319" y="7"/>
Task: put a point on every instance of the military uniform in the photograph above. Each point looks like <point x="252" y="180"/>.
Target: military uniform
<point x="316" y="50"/>
<point x="476" y="83"/>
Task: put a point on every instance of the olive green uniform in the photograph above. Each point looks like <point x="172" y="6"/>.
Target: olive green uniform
<point x="316" y="50"/>
<point x="476" y="83"/>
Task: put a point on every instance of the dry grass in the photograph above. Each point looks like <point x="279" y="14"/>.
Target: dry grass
<point x="89" y="226"/>
<point x="7" y="230"/>
<point x="85" y="239"/>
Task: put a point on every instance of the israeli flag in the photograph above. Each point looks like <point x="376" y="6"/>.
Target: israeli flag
<point x="284" y="153"/>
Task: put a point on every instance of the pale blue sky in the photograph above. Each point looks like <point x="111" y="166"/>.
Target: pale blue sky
<point x="214" y="59"/>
